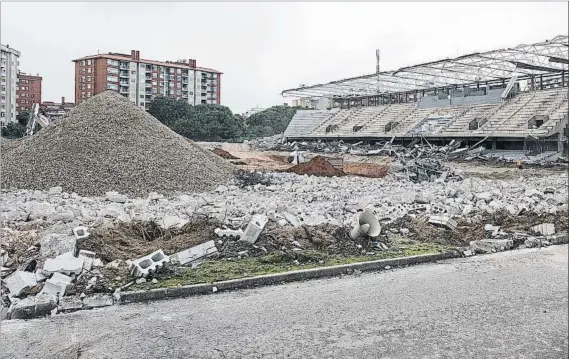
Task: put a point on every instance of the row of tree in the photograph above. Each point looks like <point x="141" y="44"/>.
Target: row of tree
<point x="16" y="129"/>
<point x="218" y="123"/>
<point x="201" y="122"/>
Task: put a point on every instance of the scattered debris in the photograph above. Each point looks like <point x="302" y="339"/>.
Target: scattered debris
<point x="20" y="282"/>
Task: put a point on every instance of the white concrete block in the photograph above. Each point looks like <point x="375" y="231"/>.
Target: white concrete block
<point x="254" y="228"/>
<point x="64" y="265"/>
<point x="149" y="264"/>
<point x="194" y="253"/>
<point x="443" y="220"/>
<point x="98" y="300"/>
<point x="545" y="229"/>
<point x="20" y="282"/>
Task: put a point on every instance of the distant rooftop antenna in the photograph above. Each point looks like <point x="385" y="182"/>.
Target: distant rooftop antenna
<point x="377" y="61"/>
<point x="377" y="68"/>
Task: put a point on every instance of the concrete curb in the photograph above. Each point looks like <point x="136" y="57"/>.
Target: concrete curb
<point x="278" y="278"/>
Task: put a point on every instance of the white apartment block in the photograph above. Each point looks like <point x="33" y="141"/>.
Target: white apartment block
<point x="9" y="83"/>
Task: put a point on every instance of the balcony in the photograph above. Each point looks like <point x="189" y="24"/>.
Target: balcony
<point x="123" y="67"/>
<point x="124" y="90"/>
<point x="184" y="95"/>
<point x="123" y="74"/>
<point x="184" y="80"/>
<point x="148" y="85"/>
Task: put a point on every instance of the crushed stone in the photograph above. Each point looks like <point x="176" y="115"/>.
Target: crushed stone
<point x="109" y="144"/>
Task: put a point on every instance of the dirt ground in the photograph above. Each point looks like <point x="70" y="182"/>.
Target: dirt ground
<point x="378" y="166"/>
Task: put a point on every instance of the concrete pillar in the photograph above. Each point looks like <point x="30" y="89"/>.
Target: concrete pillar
<point x="559" y="142"/>
<point x="493" y="143"/>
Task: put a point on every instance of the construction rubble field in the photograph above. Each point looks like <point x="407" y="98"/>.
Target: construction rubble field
<point x="109" y="200"/>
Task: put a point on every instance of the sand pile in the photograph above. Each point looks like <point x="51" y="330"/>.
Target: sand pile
<point x="318" y="166"/>
<point x="109" y="144"/>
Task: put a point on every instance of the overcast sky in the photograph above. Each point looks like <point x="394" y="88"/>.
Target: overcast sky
<point x="264" y="48"/>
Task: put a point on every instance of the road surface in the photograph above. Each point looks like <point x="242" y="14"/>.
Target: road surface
<point x="506" y="305"/>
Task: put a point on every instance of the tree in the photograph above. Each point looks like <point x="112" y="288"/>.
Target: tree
<point x="204" y="122"/>
<point x="271" y="121"/>
<point x="13" y="130"/>
<point x="23" y="118"/>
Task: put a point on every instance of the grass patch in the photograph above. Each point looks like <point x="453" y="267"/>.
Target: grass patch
<point x="278" y="262"/>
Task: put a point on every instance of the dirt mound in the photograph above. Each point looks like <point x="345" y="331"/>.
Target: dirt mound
<point x="224" y="154"/>
<point x="370" y="170"/>
<point x="317" y="166"/>
<point x="132" y="240"/>
<point x="109" y="144"/>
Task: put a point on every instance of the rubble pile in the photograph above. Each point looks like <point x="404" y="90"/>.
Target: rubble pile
<point x="419" y="147"/>
<point x="109" y="144"/>
<point x="267" y="143"/>
<point x="317" y="166"/>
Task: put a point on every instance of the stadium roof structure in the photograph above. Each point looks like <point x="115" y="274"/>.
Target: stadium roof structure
<point x="542" y="58"/>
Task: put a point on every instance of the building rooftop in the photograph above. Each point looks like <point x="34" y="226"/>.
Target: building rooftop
<point x="125" y="57"/>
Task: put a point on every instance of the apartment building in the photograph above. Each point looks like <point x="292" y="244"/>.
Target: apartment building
<point x="56" y="111"/>
<point x="28" y="91"/>
<point x="8" y="82"/>
<point x="141" y="80"/>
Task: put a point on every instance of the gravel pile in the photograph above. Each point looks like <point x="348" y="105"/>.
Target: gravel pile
<point x="109" y="144"/>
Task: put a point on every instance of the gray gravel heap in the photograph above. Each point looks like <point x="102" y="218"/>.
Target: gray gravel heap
<point x="109" y="144"/>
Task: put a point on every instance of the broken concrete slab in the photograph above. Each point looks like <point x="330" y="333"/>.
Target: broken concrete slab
<point x="69" y="304"/>
<point x="32" y="307"/>
<point x="545" y="229"/>
<point x="98" y="300"/>
<point x="533" y="242"/>
<point x="116" y="197"/>
<point x="444" y="221"/>
<point x="20" y="282"/>
<point x="491" y="245"/>
<point x="64" y="265"/>
<point x="291" y="218"/>
<point x="194" y="253"/>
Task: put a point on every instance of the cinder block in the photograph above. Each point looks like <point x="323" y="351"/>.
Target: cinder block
<point x="254" y="228"/>
<point x="231" y="233"/>
<point x="194" y="253"/>
<point x="149" y="264"/>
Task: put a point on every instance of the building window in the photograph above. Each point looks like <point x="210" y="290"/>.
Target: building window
<point x="82" y="63"/>
<point x="88" y="78"/>
<point x="133" y="72"/>
<point x="112" y="78"/>
<point x="178" y="71"/>
<point x="141" y="96"/>
<point x="142" y="66"/>
<point x="112" y="70"/>
<point x="154" y="83"/>
<point x="142" y="104"/>
<point x="154" y="74"/>
<point x="204" y="101"/>
<point x="133" y="80"/>
<point x="112" y="87"/>
<point x="89" y="62"/>
<point x="112" y="62"/>
<point x="88" y="70"/>
<point x="178" y="92"/>
<point x="88" y="94"/>
<point x="88" y="87"/>
<point x="32" y="95"/>
<point x="162" y="76"/>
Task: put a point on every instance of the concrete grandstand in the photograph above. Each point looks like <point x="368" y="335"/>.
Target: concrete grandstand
<point x="498" y="98"/>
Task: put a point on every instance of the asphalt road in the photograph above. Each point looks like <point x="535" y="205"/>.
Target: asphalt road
<point x="507" y="305"/>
